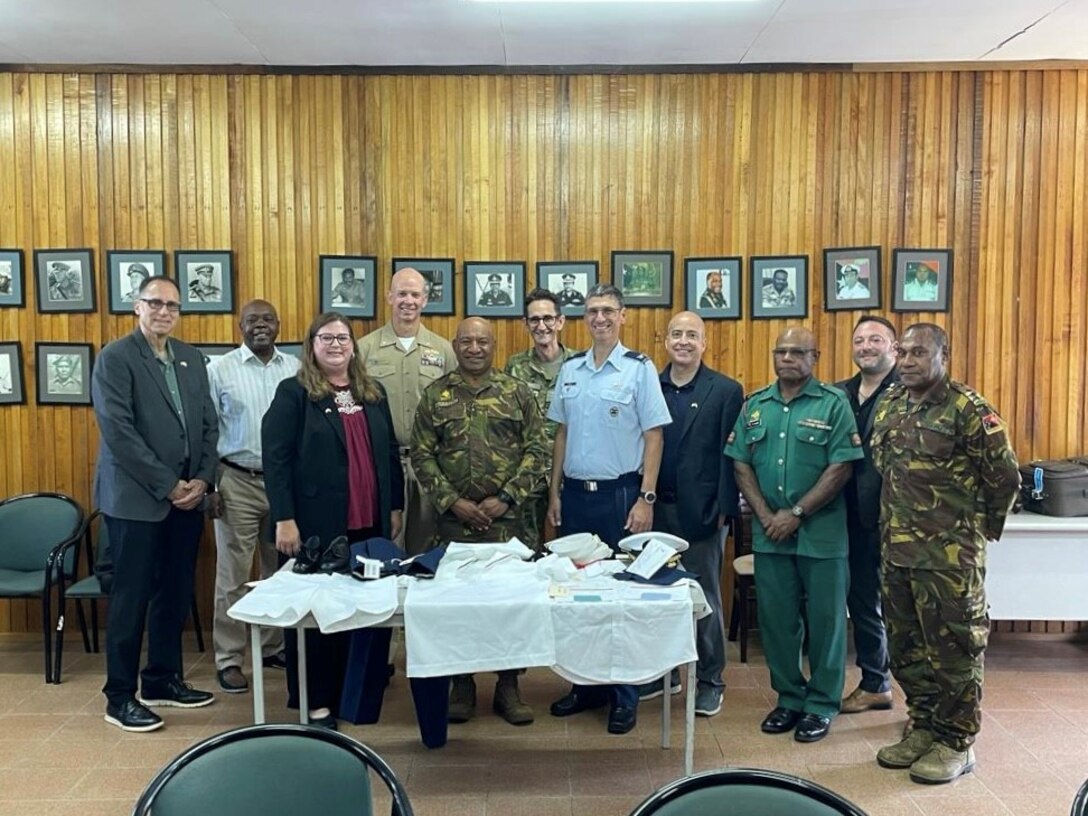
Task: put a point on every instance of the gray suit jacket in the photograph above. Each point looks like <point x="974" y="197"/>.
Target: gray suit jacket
<point x="143" y="449"/>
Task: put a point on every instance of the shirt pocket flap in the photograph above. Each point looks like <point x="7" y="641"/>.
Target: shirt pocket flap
<point x="753" y="435"/>
<point x="812" y="436"/>
<point x="624" y="396"/>
<point x="380" y="370"/>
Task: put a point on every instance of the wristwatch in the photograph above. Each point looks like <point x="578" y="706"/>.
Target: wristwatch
<point x="798" y="511"/>
<point x="648" y="496"/>
<point x="505" y="498"/>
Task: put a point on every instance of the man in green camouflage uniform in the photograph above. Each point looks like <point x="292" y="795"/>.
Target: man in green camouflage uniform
<point x="949" y="478"/>
<point x="539" y="368"/>
<point x="478" y="450"/>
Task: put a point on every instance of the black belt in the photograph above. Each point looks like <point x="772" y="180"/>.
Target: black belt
<point x="633" y="479"/>
<point x="256" y="474"/>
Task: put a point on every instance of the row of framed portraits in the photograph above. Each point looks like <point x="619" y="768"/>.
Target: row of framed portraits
<point x="778" y="286"/>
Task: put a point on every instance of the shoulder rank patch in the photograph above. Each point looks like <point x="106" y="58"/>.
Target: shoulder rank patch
<point x="855" y="440"/>
<point x="636" y="355"/>
<point x="576" y="355"/>
<point x="754" y="420"/>
<point x="992" y="423"/>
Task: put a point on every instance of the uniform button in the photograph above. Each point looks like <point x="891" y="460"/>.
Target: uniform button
<point x="782" y="435"/>
<point x="785" y="409"/>
<point x="780" y="488"/>
<point x="811" y="438"/>
<point x="781" y="461"/>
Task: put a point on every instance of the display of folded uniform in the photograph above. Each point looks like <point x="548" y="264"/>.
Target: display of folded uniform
<point x="392" y="560"/>
<point x="1055" y="487"/>
<point x="336" y="602"/>
<point x="665" y="576"/>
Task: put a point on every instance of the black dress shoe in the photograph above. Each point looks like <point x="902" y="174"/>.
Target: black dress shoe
<point x="131" y="716"/>
<point x="276" y="661"/>
<point x="336" y="556"/>
<point x="328" y="722"/>
<point x="812" y="728"/>
<point x="621" y="719"/>
<point x="780" y="721"/>
<point x="177" y="694"/>
<point x="308" y="557"/>
<point x="577" y="701"/>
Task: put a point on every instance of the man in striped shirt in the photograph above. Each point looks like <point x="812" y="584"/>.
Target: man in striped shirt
<point x="243" y="382"/>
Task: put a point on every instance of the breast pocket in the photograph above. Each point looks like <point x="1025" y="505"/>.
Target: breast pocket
<point x="381" y="371"/>
<point x="755" y="439"/>
<point x="618" y="404"/>
<point x="936" y="441"/>
<point x="811" y="446"/>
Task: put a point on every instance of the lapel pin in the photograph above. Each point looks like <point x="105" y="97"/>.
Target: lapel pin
<point x="328" y="410"/>
<point x="184" y="364"/>
<point x="695" y="405"/>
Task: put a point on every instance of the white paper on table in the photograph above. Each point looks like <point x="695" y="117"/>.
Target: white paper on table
<point x="653" y="557"/>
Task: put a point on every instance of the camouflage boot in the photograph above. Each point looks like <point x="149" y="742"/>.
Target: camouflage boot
<point x="462" y="699"/>
<point x="942" y="763"/>
<point x="907" y="751"/>
<point x="508" y="704"/>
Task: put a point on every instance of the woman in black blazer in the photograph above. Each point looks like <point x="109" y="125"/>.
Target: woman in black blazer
<point x="331" y="468"/>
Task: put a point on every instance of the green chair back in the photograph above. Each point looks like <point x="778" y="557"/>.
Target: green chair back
<point x="32" y="525"/>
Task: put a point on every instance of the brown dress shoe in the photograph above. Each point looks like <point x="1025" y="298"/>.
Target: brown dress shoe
<point x="861" y="700"/>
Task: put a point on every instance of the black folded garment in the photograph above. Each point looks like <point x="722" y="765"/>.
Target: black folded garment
<point x="663" y="577"/>
<point x="395" y="561"/>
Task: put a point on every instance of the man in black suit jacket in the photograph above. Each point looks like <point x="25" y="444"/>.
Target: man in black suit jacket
<point x="156" y="461"/>
<point x="697" y="489"/>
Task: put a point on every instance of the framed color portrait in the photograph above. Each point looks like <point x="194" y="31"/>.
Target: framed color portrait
<point x="779" y="286"/>
<point x="712" y="287"/>
<point x="65" y="280"/>
<point x="64" y="373"/>
<point x="645" y="278"/>
<point x="206" y="281"/>
<point x="12" y="288"/>
<point x="438" y="277"/>
<point x="348" y="285"/>
<point x="923" y="280"/>
<point x="494" y="288"/>
<point x="569" y="281"/>
<point x="12" y="391"/>
<point x="126" y="273"/>
<point x="852" y="278"/>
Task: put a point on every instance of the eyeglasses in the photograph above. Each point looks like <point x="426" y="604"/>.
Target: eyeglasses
<point x="339" y="339"/>
<point x="155" y="304"/>
<point x="547" y="320"/>
<point x="794" y="352"/>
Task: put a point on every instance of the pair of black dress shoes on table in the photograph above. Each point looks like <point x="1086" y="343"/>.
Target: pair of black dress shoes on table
<point x="805" y="727"/>
<point x="313" y="557"/>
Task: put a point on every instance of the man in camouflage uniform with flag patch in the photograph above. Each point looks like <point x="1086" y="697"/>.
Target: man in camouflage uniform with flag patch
<point x="950" y="476"/>
<point x="478" y="449"/>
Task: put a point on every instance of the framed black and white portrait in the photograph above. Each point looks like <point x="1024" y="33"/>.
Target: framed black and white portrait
<point x="213" y="350"/>
<point x="645" y="278"/>
<point x="64" y="373"/>
<point x="851" y="278"/>
<point x="779" y="285"/>
<point x="11" y="278"/>
<point x="12" y="391"/>
<point x="65" y="280"/>
<point x="437" y="278"/>
<point x="923" y="280"/>
<point x="712" y="287"/>
<point x="347" y="285"/>
<point x="206" y="281"/>
<point x="127" y="272"/>
<point x="494" y="288"/>
<point x="569" y="281"/>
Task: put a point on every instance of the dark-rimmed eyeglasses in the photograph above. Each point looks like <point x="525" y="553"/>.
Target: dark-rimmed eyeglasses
<point x="155" y="304"/>
<point x="339" y="339"/>
<point x="547" y="320"/>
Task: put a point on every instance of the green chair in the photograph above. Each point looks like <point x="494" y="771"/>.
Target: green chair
<point x="1080" y="803"/>
<point x="34" y="529"/>
<point x="745" y="792"/>
<point x="91" y="589"/>
<point x="272" y="769"/>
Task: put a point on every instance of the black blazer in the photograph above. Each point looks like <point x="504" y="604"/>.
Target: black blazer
<point x="862" y="492"/>
<point x="306" y="462"/>
<point x="708" y="486"/>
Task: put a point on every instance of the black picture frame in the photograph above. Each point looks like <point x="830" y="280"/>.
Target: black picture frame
<point x="908" y="295"/>
<point x="494" y="288"/>
<point x="63" y="373"/>
<point x="12" y="387"/>
<point x="699" y="297"/>
<point x="438" y="273"/>
<point x="581" y="276"/>
<point x="213" y="350"/>
<point x="842" y="290"/>
<point x="354" y="297"/>
<point x="121" y="286"/>
<point x="292" y="349"/>
<point x="644" y="277"/>
<point x="12" y="278"/>
<point x="762" y="272"/>
<point x="65" y="279"/>
<point x="210" y="292"/>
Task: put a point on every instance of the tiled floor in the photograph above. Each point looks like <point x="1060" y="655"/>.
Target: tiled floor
<point x="58" y="756"/>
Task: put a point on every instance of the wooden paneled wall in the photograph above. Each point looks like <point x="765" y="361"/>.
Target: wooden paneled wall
<point x="991" y="163"/>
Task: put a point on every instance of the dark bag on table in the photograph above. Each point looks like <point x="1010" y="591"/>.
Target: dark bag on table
<point x="1055" y="487"/>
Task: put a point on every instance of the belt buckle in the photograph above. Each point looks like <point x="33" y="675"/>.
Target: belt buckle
<point x="590" y="487"/>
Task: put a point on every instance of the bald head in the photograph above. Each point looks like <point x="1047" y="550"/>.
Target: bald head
<point x="407" y="295"/>
<point x="685" y="342"/>
<point x="798" y="337"/>
<point x="795" y="355"/>
<point x="473" y="344"/>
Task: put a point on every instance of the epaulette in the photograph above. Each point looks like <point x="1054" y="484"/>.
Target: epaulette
<point x="972" y="395"/>
<point x="636" y="355"/>
<point x="758" y="392"/>
<point x="576" y="355"/>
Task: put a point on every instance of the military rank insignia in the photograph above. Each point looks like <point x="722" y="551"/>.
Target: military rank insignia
<point x="992" y="423"/>
<point x="754" y="419"/>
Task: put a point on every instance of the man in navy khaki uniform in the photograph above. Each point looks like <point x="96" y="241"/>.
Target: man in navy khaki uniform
<point x="610" y="411"/>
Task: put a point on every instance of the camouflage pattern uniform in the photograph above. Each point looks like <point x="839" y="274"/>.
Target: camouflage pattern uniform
<point x="526" y="367"/>
<point x="473" y="442"/>
<point x="950" y="476"/>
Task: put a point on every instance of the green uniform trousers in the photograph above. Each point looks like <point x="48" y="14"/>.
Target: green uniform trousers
<point x="786" y="584"/>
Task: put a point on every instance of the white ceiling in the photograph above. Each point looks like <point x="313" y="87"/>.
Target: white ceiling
<point x="468" y="33"/>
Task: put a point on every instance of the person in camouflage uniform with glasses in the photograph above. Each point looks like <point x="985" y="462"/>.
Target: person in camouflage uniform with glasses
<point x="950" y="476"/>
<point x="478" y="449"/>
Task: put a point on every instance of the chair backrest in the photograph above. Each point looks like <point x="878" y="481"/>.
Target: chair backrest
<point x="745" y="792"/>
<point x="31" y="525"/>
<point x="1080" y="801"/>
<point x="277" y="768"/>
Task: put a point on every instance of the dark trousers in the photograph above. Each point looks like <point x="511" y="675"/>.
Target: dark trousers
<point x="704" y="558"/>
<point x="153" y="567"/>
<point x="866" y="615"/>
<point x="603" y="513"/>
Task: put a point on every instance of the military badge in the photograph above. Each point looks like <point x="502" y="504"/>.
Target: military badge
<point x="754" y="420"/>
<point x="613" y="411"/>
<point x="992" y="423"/>
<point x="432" y="358"/>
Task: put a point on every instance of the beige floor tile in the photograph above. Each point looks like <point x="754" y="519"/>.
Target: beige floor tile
<point x="451" y="781"/>
<point x="507" y="780"/>
<point x="475" y="805"/>
<point x="107" y="783"/>
<point x="70" y="807"/>
<point x="984" y="804"/>
<point x="1037" y="804"/>
<point x="64" y="754"/>
<point x="33" y="783"/>
<point x="592" y="781"/>
<point x="504" y="805"/>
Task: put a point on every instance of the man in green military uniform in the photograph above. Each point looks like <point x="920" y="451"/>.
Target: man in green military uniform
<point x="950" y="476"/>
<point x="538" y="368"/>
<point x="478" y="449"/>
<point x="792" y="446"/>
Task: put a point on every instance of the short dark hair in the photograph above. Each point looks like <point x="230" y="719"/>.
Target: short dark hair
<point x="605" y="290"/>
<point x="883" y="321"/>
<point x="542" y="294"/>
<point x="148" y="281"/>
<point x="939" y="335"/>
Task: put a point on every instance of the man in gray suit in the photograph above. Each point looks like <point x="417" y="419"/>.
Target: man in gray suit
<point x="156" y="461"/>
